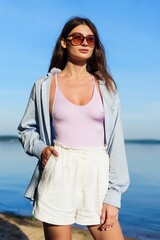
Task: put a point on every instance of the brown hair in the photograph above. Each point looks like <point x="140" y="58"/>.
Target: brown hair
<point x="96" y="65"/>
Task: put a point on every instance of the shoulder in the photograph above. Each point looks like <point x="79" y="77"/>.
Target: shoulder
<point x="40" y="80"/>
<point x="46" y="78"/>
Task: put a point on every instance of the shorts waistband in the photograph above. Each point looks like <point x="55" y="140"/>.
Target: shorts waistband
<point x="57" y="143"/>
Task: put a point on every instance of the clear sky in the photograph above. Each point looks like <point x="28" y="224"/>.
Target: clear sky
<point x="130" y="32"/>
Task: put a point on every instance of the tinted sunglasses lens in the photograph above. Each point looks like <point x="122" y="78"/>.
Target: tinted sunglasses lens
<point x="90" y="40"/>
<point x="77" y="39"/>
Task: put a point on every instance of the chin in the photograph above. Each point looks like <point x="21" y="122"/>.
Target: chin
<point x="80" y="58"/>
<point x="84" y="56"/>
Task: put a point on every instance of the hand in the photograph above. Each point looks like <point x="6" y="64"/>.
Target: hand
<point x="109" y="216"/>
<point x="46" y="153"/>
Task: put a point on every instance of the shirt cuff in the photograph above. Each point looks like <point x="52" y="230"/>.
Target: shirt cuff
<point x="113" y="198"/>
<point x="38" y="150"/>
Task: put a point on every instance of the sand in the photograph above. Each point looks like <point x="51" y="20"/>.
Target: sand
<point x="27" y="228"/>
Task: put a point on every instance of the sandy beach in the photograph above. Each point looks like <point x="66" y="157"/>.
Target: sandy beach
<point x="26" y="228"/>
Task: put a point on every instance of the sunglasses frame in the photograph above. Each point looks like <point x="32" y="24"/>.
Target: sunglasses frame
<point x="82" y="40"/>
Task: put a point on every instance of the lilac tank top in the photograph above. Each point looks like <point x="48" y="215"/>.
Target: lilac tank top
<point x="78" y="125"/>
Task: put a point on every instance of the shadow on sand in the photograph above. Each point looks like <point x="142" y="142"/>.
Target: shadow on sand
<point x="9" y="231"/>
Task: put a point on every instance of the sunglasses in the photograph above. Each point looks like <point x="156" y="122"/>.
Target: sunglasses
<point x="77" y="39"/>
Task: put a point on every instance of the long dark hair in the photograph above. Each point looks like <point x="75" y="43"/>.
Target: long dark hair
<point x="96" y="65"/>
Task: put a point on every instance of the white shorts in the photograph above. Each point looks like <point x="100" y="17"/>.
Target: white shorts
<point x="73" y="186"/>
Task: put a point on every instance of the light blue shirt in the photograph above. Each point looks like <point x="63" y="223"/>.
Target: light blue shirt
<point x="35" y="133"/>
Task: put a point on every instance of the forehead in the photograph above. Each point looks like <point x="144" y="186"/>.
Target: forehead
<point x="84" y="29"/>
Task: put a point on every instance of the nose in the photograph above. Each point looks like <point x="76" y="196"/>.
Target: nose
<point x="84" y="43"/>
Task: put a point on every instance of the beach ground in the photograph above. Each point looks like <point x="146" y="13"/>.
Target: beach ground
<point x="14" y="227"/>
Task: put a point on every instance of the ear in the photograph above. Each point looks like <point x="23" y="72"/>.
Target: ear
<point x="63" y="43"/>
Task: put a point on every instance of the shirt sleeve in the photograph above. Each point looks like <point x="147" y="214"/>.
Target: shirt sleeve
<point x="28" y="129"/>
<point x="118" y="167"/>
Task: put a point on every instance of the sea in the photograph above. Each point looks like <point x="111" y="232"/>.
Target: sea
<point x="140" y="212"/>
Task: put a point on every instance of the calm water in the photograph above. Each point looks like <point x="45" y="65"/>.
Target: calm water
<point x="140" y="212"/>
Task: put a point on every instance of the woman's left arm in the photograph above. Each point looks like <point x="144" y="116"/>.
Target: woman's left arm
<point x="118" y="173"/>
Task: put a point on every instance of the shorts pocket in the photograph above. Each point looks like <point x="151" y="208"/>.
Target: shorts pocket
<point x="50" y="175"/>
<point x="49" y="168"/>
<point x="46" y="174"/>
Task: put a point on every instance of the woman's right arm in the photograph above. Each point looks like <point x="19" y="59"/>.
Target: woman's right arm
<point x="28" y="129"/>
<point x="28" y="133"/>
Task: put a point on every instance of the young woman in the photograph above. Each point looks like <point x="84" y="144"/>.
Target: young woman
<point x="72" y="125"/>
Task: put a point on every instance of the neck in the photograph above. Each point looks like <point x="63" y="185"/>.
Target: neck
<point x="75" y="70"/>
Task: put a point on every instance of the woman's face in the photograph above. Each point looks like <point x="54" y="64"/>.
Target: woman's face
<point x="79" y="47"/>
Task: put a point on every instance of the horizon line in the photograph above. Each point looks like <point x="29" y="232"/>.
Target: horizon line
<point x="128" y="140"/>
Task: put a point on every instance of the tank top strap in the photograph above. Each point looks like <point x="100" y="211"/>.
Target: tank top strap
<point x="94" y="81"/>
<point x="56" y="79"/>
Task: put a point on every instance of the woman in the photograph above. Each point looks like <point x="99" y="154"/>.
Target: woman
<point x="72" y="125"/>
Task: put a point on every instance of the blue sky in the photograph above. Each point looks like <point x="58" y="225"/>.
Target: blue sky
<point x="130" y="32"/>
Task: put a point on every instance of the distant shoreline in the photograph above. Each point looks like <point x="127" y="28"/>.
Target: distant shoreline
<point x="142" y="141"/>
<point x="127" y="141"/>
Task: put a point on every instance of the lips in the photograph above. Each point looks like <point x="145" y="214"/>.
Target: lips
<point x="83" y="50"/>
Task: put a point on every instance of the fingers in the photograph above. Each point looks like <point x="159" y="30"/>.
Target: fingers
<point x="110" y="222"/>
<point x="109" y="217"/>
<point x="44" y="162"/>
<point x="54" y="151"/>
<point x="46" y="153"/>
<point x="103" y="216"/>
